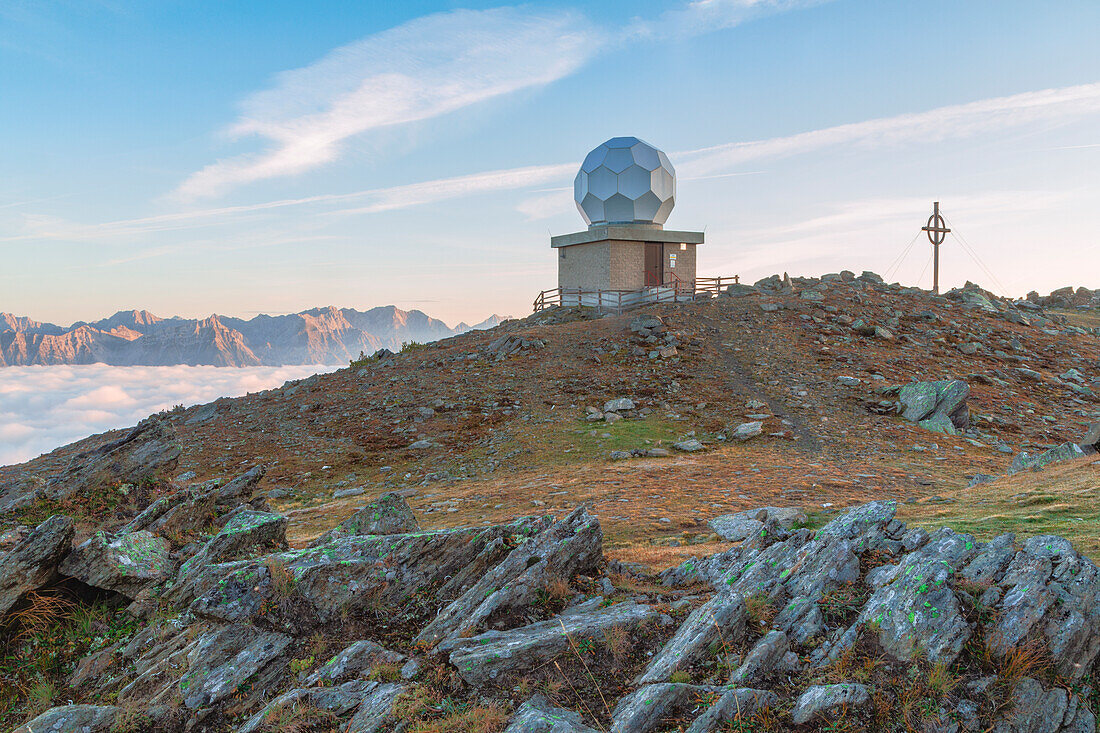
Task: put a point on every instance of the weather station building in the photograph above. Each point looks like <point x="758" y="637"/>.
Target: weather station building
<point x="625" y="190"/>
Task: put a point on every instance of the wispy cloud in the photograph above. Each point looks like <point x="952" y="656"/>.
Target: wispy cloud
<point x="1051" y="106"/>
<point x="704" y="16"/>
<point x="422" y="69"/>
<point x="953" y="122"/>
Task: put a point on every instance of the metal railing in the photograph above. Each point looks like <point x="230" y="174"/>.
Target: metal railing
<point x="676" y="290"/>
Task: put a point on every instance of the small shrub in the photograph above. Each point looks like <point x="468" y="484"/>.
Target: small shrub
<point x="283" y="581"/>
<point x="680" y="676"/>
<point x="761" y="610"/>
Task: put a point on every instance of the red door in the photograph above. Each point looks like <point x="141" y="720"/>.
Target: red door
<point x="654" y="264"/>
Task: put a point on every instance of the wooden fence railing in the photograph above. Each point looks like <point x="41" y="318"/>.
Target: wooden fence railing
<point x="620" y="301"/>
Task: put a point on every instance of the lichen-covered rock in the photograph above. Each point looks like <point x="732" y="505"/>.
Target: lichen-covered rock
<point x="391" y="514"/>
<point x="821" y="701"/>
<point x="571" y="545"/>
<point x="940" y="404"/>
<point x="762" y="660"/>
<point x="374" y="713"/>
<point x="916" y="612"/>
<point x="125" y="563"/>
<point x="734" y="706"/>
<point x="1035" y="709"/>
<point x="72" y="719"/>
<point x="643" y="710"/>
<point x="484" y="658"/>
<point x="358" y="659"/>
<point x="147" y="451"/>
<point x="196" y="506"/>
<point x="539" y="715"/>
<point x="355" y="572"/>
<point x="339" y="700"/>
<point x="220" y="660"/>
<point x="1052" y="592"/>
<point x="34" y="559"/>
<point x="722" y="618"/>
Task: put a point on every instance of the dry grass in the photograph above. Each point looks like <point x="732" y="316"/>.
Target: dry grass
<point x="283" y="581"/>
<point x="1062" y="499"/>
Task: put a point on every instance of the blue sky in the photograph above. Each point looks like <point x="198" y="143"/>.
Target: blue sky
<point x="198" y="157"/>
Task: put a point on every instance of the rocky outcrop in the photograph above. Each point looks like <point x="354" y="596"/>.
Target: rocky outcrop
<point x="147" y="451"/>
<point x="33" y="561"/>
<point x="848" y="622"/>
<point x="125" y="564"/>
<point x="389" y="515"/>
<point x="571" y="545"/>
<point x="936" y="406"/>
<point x="494" y="655"/>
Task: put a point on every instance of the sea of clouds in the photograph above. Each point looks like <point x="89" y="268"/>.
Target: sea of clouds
<point x="44" y="407"/>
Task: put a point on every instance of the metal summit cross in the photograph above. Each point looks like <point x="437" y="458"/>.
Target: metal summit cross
<point x="937" y="232"/>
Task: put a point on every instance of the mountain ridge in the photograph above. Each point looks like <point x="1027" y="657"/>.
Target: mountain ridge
<point x="323" y="335"/>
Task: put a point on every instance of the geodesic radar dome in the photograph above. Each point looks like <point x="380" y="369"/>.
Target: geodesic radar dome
<point x="625" y="181"/>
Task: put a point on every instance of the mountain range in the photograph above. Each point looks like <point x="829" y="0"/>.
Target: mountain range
<point x="138" y="338"/>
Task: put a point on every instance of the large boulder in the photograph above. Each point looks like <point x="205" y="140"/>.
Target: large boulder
<point x="391" y="514"/>
<point x="722" y="619"/>
<point x="73" y="719"/>
<point x="352" y="573"/>
<point x="539" y="715"/>
<point x="195" y="507"/>
<point x="149" y="450"/>
<point x="33" y="561"/>
<point x="126" y="563"/>
<point x="572" y="545"/>
<point x="494" y="655"/>
<point x="938" y="406"/>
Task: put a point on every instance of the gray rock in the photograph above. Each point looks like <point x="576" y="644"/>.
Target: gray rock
<point x="220" y="660"/>
<point x="917" y="611"/>
<point x="192" y="508"/>
<point x="539" y="715"/>
<point x="345" y="493"/>
<point x="935" y="401"/>
<point x="734" y="706"/>
<point x="375" y="710"/>
<point x="740" y="290"/>
<point x="747" y="430"/>
<point x="390" y="514"/>
<point x="148" y="450"/>
<point x="820" y="701"/>
<point x="688" y="446"/>
<point x="344" y="574"/>
<point x="485" y="658"/>
<point x="1038" y="710"/>
<point x="721" y="619"/>
<point x="33" y="561"/>
<point x="618" y="404"/>
<point x="72" y="719"/>
<point x="764" y="658"/>
<point x="643" y="710"/>
<point x="572" y="545"/>
<point x="735" y="528"/>
<point x="848" y="381"/>
<point x="126" y="563"/>
<point x="339" y="700"/>
<point x="357" y="660"/>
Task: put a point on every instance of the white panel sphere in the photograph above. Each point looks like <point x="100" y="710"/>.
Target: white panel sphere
<point x="625" y="181"/>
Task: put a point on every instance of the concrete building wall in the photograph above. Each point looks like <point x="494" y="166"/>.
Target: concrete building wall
<point x="585" y="266"/>
<point x="627" y="265"/>
<point x="685" y="262"/>
<point x="617" y="265"/>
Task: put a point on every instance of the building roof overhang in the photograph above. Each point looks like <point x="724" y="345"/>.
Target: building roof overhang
<point x="627" y="233"/>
